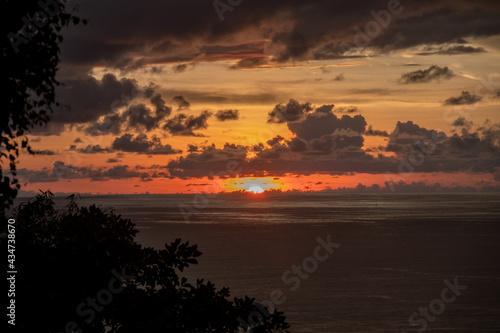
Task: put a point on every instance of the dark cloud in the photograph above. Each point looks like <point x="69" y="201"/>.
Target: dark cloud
<point x="462" y="122"/>
<point x="120" y="172"/>
<point x="223" y="96"/>
<point x="233" y="50"/>
<point x="374" y="132"/>
<point x="406" y="135"/>
<point x="465" y="99"/>
<point x="184" y="125"/>
<point x="111" y="124"/>
<point x="325" y="108"/>
<point x="161" y="110"/>
<point x="112" y="160"/>
<point x="192" y="148"/>
<point x="179" y="68"/>
<point x="275" y="140"/>
<point x="61" y="171"/>
<point x="339" y="77"/>
<point x="319" y="123"/>
<point x="451" y="50"/>
<point x="349" y="109"/>
<point x="328" y="144"/>
<point x="426" y="75"/>
<point x="140" y="117"/>
<point x="341" y="152"/>
<point x="94" y="106"/>
<point x="422" y="187"/>
<point x="44" y="152"/>
<point x="141" y="145"/>
<point x="209" y="161"/>
<point x="250" y="63"/>
<point x="91" y="149"/>
<point x="297" y="145"/>
<point x="182" y="103"/>
<point x="156" y="70"/>
<point x="292" y="111"/>
<point x="223" y="115"/>
<point x="291" y="30"/>
<point x="137" y="116"/>
<point x="88" y="99"/>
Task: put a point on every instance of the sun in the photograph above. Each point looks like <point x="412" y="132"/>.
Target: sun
<point x="255" y="189"/>
<point x="253" y="184"/>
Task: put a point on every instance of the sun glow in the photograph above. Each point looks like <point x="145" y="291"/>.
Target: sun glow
<point x="254" y="185"/>
<point x="255" y="189"/>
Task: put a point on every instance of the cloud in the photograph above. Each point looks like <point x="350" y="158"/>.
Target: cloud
<point x="111" y="124"/>
<point x="327" y="144"/>
<point x="427" y="75"/>
<point x="462" y="122"/>
<point x="182" y="103"/>
<point x="349" y="109"/>
<point x="44" y="152"/>
<point x="465" y="99"/>
<point x="297" y="145"/>
<point x="86" y="100"/>
<point x="91" y="149"/>
<point x="94" y="106"/>
<point x="328" y="108"/>
<point x="223" y="115"/>
<point x="373" y="132"/>
<point x="141" y="145"/>
<point x="341" y="152"/>
<point x="208" y="161"/>
<point x="249" y="63"/>
<point x="184" y="125"/>
<point x="339" y="77"/>
<point x="179" y="68"/>
<point x="292" y="111"/>
<point x="161" y="110"/>
<point x="288" y="30"/>
<point x="275" y="140"/>
<point x="193" y="148"/>
<point x="451" y="50"/>
<point x="61" y="171"/>
<point x="138" y="117"/>
<point x="406" y="135"/>
<point x="319" y="123"/>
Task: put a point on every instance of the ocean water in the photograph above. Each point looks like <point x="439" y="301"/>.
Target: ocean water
<point x="395" y="254"/>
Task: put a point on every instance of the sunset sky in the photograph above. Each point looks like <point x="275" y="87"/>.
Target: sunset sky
<point x="209" y="96"/>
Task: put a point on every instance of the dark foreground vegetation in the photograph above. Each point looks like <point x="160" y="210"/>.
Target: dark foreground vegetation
<point x="81" y="269"/>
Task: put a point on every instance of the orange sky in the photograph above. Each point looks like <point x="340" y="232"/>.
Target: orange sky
<point x="174" y="151"/>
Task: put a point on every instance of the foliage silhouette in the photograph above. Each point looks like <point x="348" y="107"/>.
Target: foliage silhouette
<point x="31" y="33"/>
<point x="67" y="256"/>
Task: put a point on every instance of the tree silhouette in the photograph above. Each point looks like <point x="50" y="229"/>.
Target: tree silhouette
<point x="31" y="33"/>
<point x="71" y="261"/>
<point x="80" y="269"/>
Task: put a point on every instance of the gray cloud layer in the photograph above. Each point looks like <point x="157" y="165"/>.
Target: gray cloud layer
<point x="292" y="29"/>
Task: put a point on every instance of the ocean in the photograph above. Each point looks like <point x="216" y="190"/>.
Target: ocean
<point x="399" y="263"/>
